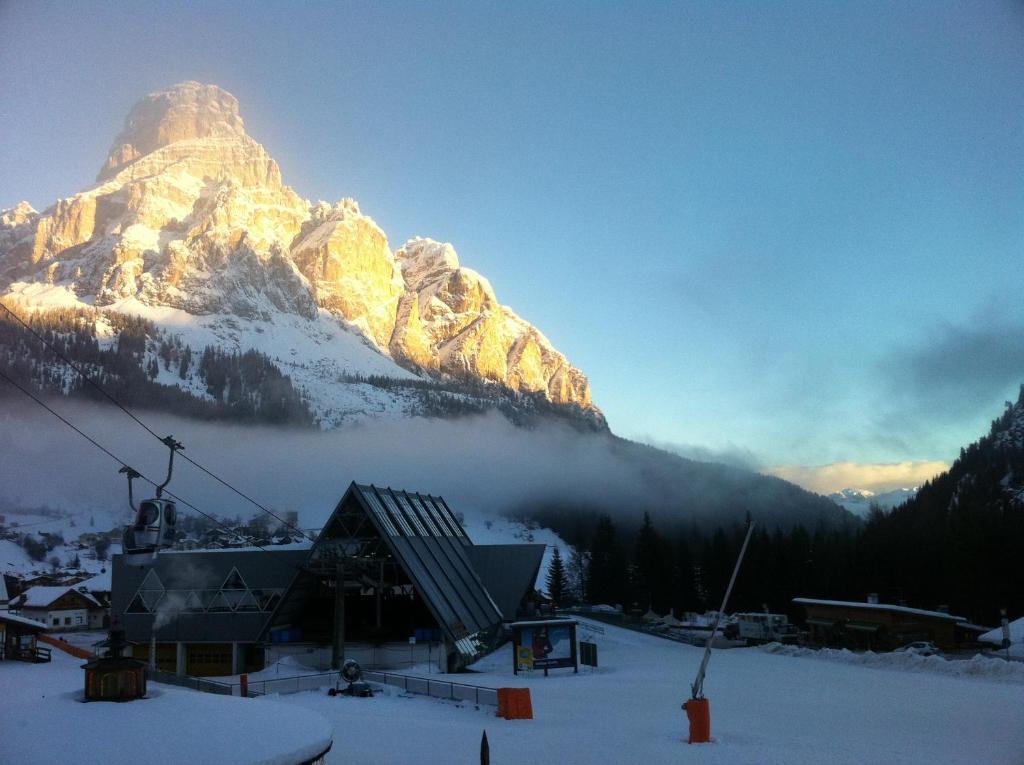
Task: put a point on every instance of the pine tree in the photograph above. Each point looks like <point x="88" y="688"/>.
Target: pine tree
<point x="652" y="581"/>
<point x="606" y="582"/>
<point x="558" y="583"/>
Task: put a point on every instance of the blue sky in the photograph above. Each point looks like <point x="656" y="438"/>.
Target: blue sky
<point x="783" y="233"/>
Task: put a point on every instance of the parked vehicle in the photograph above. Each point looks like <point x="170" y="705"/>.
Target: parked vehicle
<point x="920" y="648"/>
<point x="765" y="628"/>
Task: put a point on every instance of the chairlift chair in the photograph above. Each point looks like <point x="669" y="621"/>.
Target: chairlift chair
<point x="155" y="519"/>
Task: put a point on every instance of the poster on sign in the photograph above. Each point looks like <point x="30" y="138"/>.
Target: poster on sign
<point x="544" y="645"/>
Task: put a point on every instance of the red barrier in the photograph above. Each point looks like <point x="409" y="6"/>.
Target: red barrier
<point x="515" y="704"/>
<point x="243" y="682"/>
<point x="78" y="653"/>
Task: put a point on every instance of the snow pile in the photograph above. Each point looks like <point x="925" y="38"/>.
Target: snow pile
<point x="1016" y="637"/>
<point x="978" y="666"/>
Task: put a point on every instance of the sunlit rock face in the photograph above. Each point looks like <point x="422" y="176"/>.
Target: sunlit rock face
<point x="457" y="322"/>
<point x="346" y="259"/>
<point x="190" y="213"/>
<point x="186" y="111"/>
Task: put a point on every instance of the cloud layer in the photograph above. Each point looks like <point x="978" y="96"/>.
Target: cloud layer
<point x="825" y="479"/>
<point x="482" y="465"/>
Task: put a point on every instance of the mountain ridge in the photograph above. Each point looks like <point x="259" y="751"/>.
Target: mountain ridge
<point x="191" y="226"/>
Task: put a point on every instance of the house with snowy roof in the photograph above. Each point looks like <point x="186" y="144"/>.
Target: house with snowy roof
<point x="18" y="638"/>
<point x="62" y="608"/>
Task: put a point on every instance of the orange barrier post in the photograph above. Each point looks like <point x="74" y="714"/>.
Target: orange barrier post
<point x="515" y="704"/>
<point x="243" y="682"/>
<point x="698" y="712"/>
<point x="525" y="708"/>
<point x="78" y="653"/>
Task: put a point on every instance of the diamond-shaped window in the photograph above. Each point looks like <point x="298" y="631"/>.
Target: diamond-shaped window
<point x="151" y="598"/>
<point x="247" y="603"/>
<point x="137" y="606"/>
<point x="152" y="581"/>
<point x="219" y="603"/>
<point x="234" y="581"/>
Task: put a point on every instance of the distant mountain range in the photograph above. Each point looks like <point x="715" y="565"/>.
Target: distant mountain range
<point x="860" y="501"/>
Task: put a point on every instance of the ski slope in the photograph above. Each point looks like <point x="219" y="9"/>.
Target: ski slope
<point x="765" y="708"/>
<point x="790" y="707"/>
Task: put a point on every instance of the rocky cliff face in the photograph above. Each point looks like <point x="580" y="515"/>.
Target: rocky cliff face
<point x="190" y="213"/>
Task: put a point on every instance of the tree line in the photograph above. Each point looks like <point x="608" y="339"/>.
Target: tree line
<point x="243" y="387"/>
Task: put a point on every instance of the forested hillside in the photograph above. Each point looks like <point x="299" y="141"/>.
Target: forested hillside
<point x="957" y="544"/>
<point x="143" y="366"/>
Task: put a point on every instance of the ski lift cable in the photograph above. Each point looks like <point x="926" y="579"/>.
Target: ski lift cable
<point x="85" y="376"/>
<point x="117" y="459"/>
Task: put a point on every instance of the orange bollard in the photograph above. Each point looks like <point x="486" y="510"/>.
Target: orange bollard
<point x="525" y="705"/>
<point x="698" y="712"/>
<point x="515" y="704"/>
<point x="243" y="685"/>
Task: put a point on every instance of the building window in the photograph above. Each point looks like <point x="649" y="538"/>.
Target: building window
<point x="56" y="622"/>
<point x="67" y="620"/>
<point x="78" y="620"/>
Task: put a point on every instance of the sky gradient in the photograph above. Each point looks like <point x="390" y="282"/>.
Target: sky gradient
<point x="775" y="233"/>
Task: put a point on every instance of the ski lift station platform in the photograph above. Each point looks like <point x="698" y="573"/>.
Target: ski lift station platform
<point x="391" y="579"/>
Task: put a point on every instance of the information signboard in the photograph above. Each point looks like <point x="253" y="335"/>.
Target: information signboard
<point x="544" y="644"/>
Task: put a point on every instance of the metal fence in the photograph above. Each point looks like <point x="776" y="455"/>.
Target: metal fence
<point x="195" y="683"/>
<point x="427" y="686"/>
<point x="293" y="684"/>
<point x="440" y="689"/>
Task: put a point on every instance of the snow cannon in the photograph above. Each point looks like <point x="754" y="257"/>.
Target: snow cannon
<point x="698" y="708"/>
<point x="698" y="712"/>
<point x="352" y="674"/>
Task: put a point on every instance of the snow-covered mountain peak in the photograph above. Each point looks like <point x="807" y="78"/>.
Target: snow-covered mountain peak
<point x="188" y="110"/>
<point x="190" y="215"/>
<point x="860" y="501"/>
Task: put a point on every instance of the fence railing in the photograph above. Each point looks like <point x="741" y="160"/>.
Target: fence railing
<point x="195" y="683"/>
<point x="440" y="689"/>
<point x="427" y="686"/>
<point x="293" y="684"/>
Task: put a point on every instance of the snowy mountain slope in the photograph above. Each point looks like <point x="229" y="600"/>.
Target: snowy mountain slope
<point x="190" y="226"/>
<point x="860" y="501"/>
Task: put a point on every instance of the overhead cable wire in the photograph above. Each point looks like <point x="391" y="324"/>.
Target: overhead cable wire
<point x="117" y="459"/>
<point x="85" y="376"/>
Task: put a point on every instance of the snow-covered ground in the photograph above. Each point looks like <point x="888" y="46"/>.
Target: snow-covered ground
<point x="771" y="705"/>
<point x="46" y="722"/>
<point x="765" y="708"/>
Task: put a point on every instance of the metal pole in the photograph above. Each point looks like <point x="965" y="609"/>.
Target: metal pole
<point x="338" y="649"/>
<point x="380" y="588"/>
<point x="698" y="684"/>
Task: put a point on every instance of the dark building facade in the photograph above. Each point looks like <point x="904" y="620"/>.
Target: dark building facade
<point x="387" y="566"/>
<point x="877" y="626"/>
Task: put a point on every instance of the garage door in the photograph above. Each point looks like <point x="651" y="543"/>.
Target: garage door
<point x="206" y="659"/>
